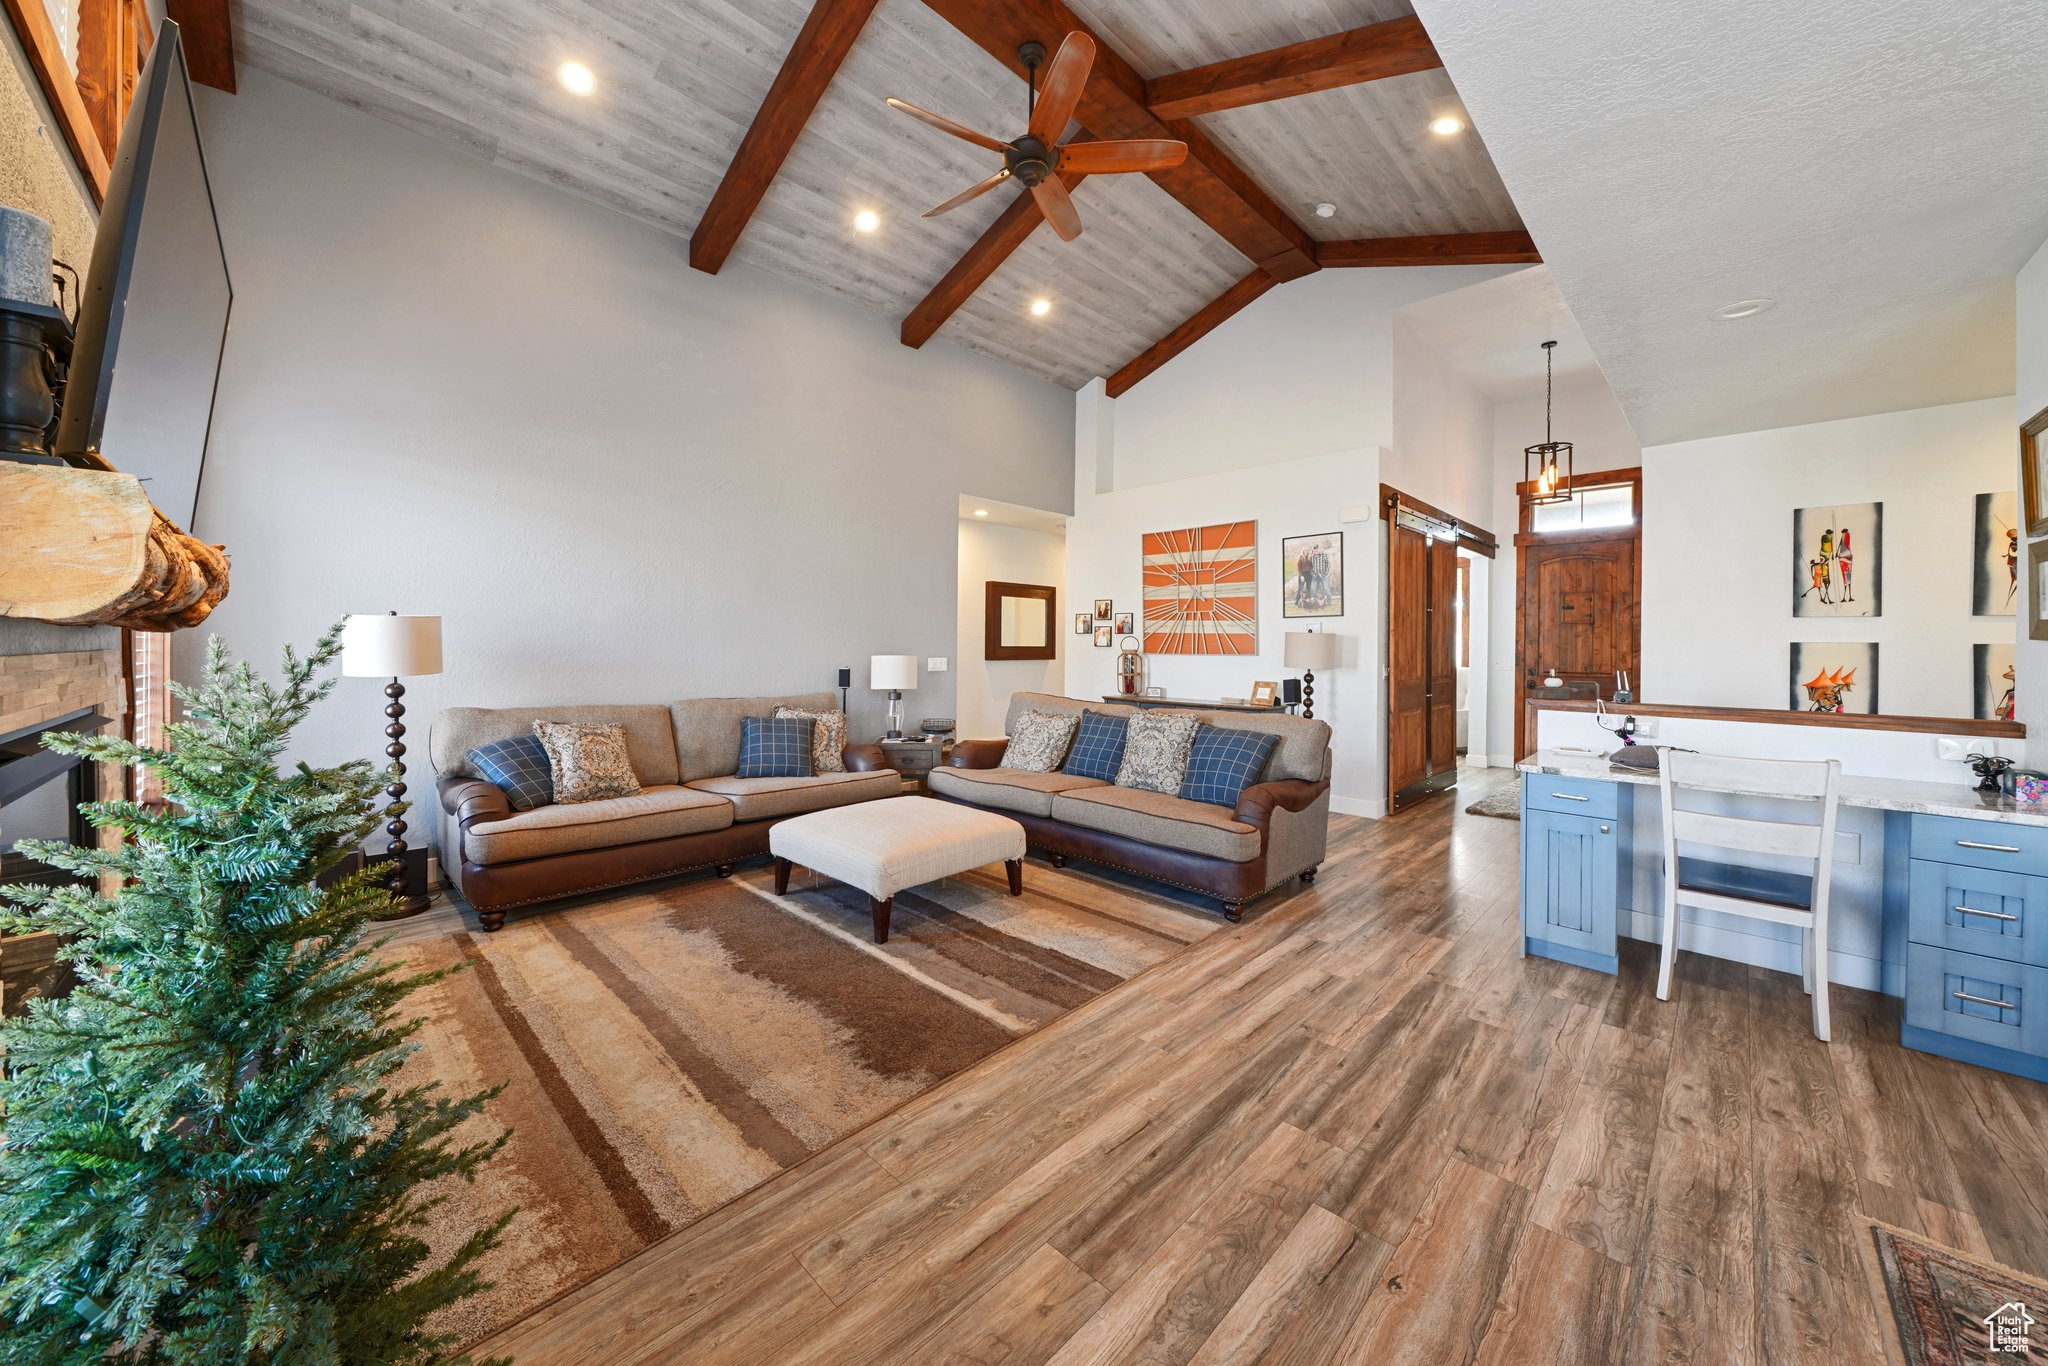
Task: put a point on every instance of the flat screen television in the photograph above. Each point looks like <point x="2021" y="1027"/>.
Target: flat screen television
<point x="154" y="313"/>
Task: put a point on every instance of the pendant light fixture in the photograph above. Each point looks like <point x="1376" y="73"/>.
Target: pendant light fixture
<point x="1547" y="466"/>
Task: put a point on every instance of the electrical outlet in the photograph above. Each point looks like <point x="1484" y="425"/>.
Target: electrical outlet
<point x="1646" y="727"/>
<point x="935" y="665"/>
<point x="1954" y="750"/>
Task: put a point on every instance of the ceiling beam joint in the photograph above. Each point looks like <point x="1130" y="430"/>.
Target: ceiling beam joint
<point x="1398" y="47"/>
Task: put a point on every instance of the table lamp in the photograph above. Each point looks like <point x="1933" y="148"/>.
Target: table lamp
<point x="1309" y="651"/>
<point x="897" y="674"/>
<point x="393" y="647"/>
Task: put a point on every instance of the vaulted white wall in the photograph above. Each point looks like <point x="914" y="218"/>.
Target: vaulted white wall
<point x="2030" y="702"/>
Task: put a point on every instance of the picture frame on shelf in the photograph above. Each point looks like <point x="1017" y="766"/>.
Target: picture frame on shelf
<point x="2034" y="473"/>
<point x="1084" y="624"/>
<point x="1124" y="622"/>
<point x="1104" y="609"/>
<point x="1155" y="691"/>
<point x="1265" y="694"/>
<point x="1104" y="637"/>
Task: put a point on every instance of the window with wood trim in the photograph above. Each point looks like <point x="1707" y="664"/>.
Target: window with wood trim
<point x="149" y="704"/>
<point x="1464" y="605"/>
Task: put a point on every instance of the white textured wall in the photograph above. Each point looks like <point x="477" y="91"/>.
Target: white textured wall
<point x="1717" y="528"/>
<point x="449" y="389"/>
<point x="1005" y="554"/>
<point x="1442" y="448"/>
<point x="2030" y="659"/>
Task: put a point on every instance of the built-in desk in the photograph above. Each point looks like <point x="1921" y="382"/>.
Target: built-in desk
<point x="1941" y="897"/>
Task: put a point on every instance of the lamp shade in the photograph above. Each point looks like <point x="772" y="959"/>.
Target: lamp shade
<point x="897" y="672"/>
<point x="390" y="646"/>
<point x="1311" y="650"/>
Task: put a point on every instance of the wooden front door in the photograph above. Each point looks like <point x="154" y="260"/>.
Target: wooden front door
<point x="1578" y="617"/>
<point x="1422" y="669"/>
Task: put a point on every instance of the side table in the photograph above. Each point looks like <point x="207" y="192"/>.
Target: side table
<point x="914" y="759"/>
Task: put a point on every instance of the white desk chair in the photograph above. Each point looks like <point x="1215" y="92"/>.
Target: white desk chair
<point x="1783" y="898"/>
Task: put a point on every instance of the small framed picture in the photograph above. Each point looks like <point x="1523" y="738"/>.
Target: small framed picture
<point x="1104" y="638"/>
<point x="1083" y="623"/>
<point x="1124" y="622"/>
<point x="1155" y="692"/>
<point x="1265" y="694"/>
<point x="2034" y="472"/>
<point x="1104" y="609"/>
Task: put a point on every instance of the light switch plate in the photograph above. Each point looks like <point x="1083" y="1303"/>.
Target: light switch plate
<point x="1955" y="750"/>
<point x="935" y="665"/>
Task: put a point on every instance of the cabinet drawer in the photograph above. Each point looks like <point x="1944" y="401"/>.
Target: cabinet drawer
<point x="1979" y="910"/>
<point x="1981" y="844"/>
<point x="1575" y="796"/>
<point x="1984" y="1000"/>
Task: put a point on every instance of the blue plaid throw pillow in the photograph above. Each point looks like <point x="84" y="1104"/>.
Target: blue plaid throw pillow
<point x="519" y="766"/>
<point x="778" y="747"/>
<point x="1224" y="763"/>
<point x="1098" y="747"/>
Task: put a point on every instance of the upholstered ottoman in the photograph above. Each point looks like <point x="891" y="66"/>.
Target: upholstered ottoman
<point x="886" y="846"/>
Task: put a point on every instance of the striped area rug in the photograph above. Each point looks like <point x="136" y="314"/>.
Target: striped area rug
<point x="667" y="1051"/>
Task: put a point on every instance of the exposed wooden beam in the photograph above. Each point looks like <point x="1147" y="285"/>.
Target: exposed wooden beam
<point x="53" y="73"/>
<point x="822" y="44"/>
<point x="1208" y="183"/>
<point x="1193" y="330"/>
<point x="208" y="33"/>
<point x="972" y="270"/>
<point x="1395" y="48"/>
<point x="1449" y="249"/>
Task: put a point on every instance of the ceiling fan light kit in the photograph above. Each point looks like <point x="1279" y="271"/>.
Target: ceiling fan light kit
<point x="1036" y="157"/>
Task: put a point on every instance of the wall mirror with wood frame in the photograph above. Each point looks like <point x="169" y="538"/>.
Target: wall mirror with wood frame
<point x="1018" y="623"/>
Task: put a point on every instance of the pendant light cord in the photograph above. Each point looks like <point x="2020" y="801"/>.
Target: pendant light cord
<point x="1549" y="354"/>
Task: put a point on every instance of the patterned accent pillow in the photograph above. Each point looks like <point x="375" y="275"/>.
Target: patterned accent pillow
<point x="1098" y="747"/>
<point x="1224" y="762"/>
<point x="1156" y="746"/>
<point x="828" y="741"/>
<point x="1040" y="742"/>
<point x="587" y="763"/>
<point x="776" y="747"/>
<point x="519" y="766"/>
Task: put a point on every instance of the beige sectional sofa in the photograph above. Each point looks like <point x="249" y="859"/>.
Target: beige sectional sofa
<point x="691" y="811"/>
<point x="1279" y="829"/>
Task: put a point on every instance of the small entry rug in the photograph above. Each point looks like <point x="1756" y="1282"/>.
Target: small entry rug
<point x="1952" y="1310"/>
<point x="1504" y="801"/>
<point x="666" y="1051"/>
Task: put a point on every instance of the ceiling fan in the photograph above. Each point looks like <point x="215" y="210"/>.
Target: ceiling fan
<point x="1034" y="159"/>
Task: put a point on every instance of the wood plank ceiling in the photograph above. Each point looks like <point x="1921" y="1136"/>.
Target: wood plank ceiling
<point x="681" y="82"/>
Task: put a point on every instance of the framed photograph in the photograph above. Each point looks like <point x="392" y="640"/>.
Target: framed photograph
<point x="1991" y="681"/>
<point x="1155" y="692"/>
<point x="1083" y="623"/>
<point x="1312" y="575"/>
<point x="1838" y="561"/>
<point x="1834" y="676"/>
<point x="1265" y="694"/>
<point x="1104" y="637"/>
<point x="2033" y="474"/>
<point x="1104" y="609"/>
<point x="2037" y="601"/>
<point x="1995" y="556"/>
<point x="1124" y="622"/>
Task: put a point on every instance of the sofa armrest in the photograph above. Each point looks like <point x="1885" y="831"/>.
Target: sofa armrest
<point x="1255" y="806"/>
<point x="865" y="759"/>
<point x="977" y="754"/>
<point x="472" y="799"/>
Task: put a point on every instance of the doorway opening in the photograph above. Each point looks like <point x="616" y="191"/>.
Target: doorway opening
<point x="1431" y="628"/>
<point x="1578" y="610"/>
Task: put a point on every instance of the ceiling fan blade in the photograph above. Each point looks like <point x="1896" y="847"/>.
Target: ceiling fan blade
<point x="971" y="192"/>
<point x="946" y="125"/>
<point x="1061" y="91"/>
<point x="1058" y="207"/>
<point x="1134" y="154"/>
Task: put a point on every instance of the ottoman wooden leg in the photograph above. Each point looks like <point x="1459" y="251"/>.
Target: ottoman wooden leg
<point x="781" y="876"/>
<point x="1015" y="868"/>
<point x="879" y="907"/>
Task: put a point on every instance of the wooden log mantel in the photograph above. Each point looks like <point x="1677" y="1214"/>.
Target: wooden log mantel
<point x="85" y="548"/>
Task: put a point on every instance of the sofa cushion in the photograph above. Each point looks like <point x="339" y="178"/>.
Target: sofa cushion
<point x="1156" y="746"/>
<point x="707" y="729"/>
<point x="1303" y="752"/>
<point x="1007" y="789"/>
<point x="828" y="741"/>
<point x="652" y="813"/>
<point x="650" y="735"/>
<point x="1039" y="742"/>
<point x="776" y="747"/>
<point x="759" y="799"/>
<point x="1155" y="818"/>
<point x="1224" y="762"/>
<point x="519" y="765"/>
<point x="1098" y="749"/>
<point x="588" y="763"/>
<point x="1021" y="702"/>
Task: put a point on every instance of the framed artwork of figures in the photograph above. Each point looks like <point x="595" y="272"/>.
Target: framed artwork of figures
<point x="1834" y="676"/>
<point x="1838" y="561"/>
<point x="1991" y="681"/>
<point x="1312" y="575"/>
<point x="1995" y="556"/>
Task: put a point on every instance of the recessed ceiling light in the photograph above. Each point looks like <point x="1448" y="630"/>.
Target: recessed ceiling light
<point x="1447" y="125"/>
<point x="1326" y="210"/>
<point x="1742" y="308"/>
<point x="1040" y="307"/>
<point x="981" y="512"/>
<point x="867" y="220"/>
<point x="576" y="78"/>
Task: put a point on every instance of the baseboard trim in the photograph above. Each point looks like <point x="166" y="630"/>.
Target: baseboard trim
<point x="1371" y="808"/>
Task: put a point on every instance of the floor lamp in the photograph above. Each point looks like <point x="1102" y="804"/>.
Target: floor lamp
<point x="393" y="647"/>
<point x="1309" y="651"/>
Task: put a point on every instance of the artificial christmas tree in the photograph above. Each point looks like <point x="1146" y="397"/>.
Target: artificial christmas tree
<point x="201" y="1158"/>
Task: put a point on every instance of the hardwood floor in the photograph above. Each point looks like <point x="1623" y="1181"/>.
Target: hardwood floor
<point x="1361" y="1128"/>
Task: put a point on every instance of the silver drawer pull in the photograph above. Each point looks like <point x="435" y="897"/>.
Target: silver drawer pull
<point x="1984" y="1001"/>
<point x="1568" y="797"/>
<point x="1988" y="915"/>
<point x="1988" y="848"/>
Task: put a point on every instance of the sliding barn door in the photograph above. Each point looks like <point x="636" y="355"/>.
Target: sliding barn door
<point x="1422" y="667"/>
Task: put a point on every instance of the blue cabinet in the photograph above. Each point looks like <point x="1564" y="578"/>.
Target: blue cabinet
<point x="1575" y="861"/>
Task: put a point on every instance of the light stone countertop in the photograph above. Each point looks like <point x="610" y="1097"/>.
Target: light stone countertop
<point x="1882" y="794"/>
